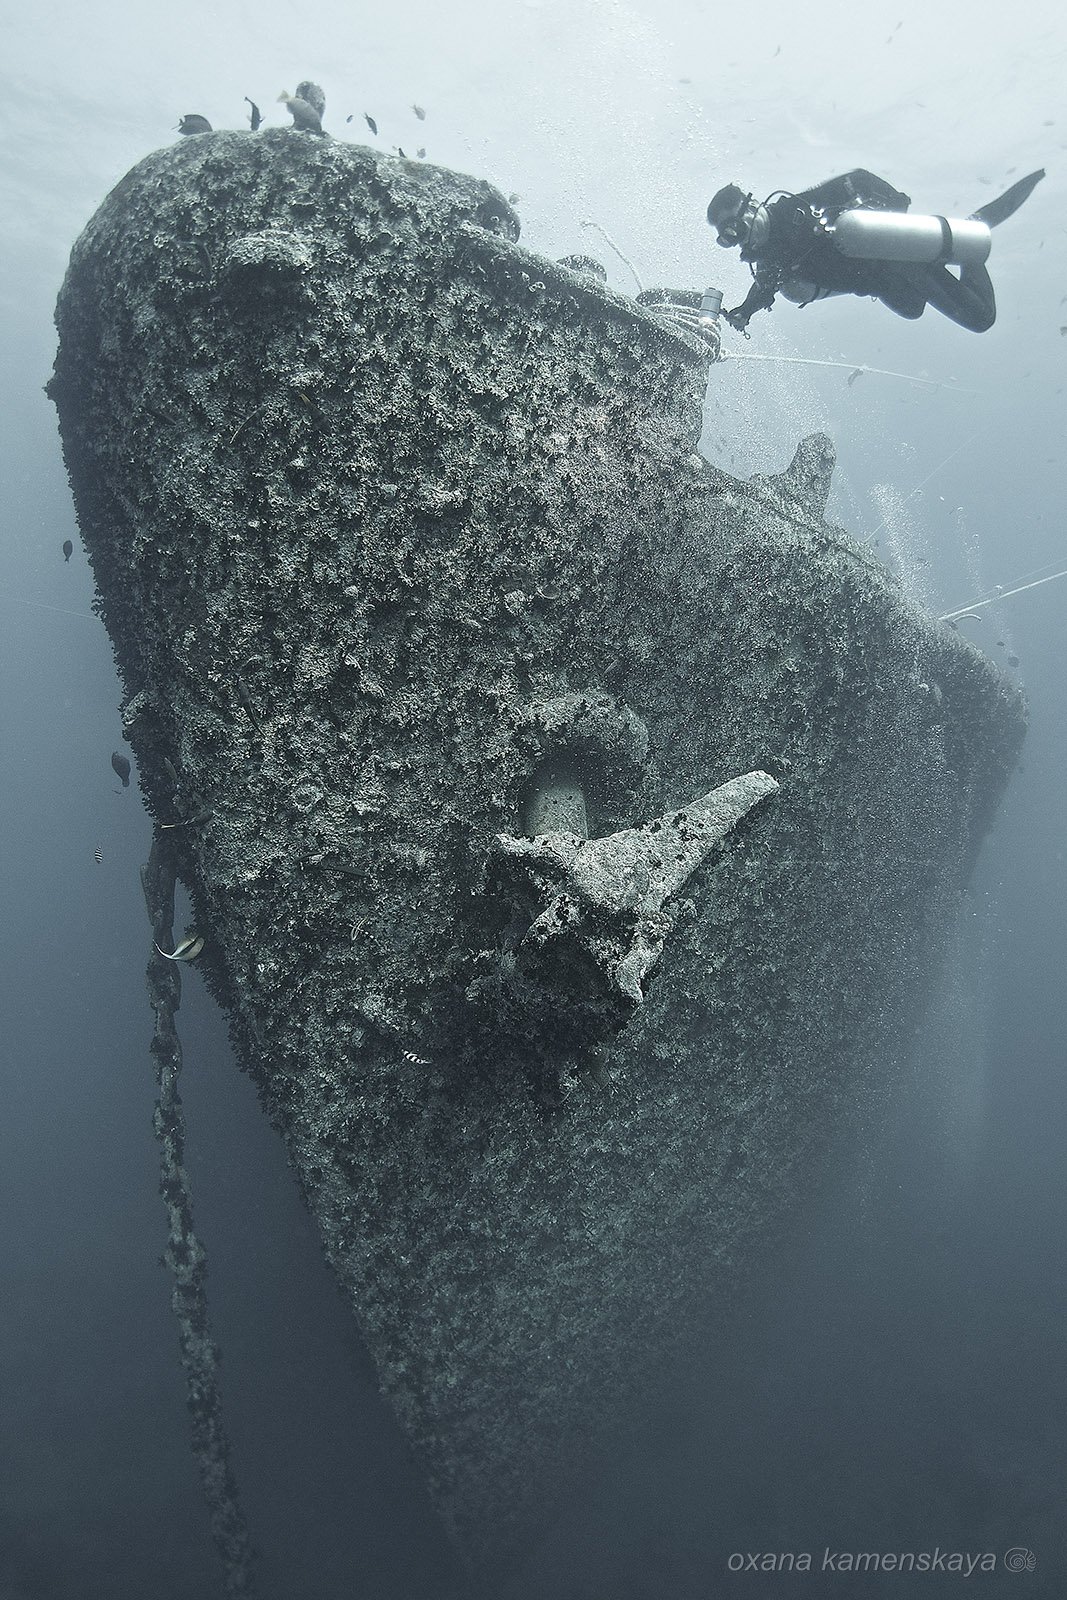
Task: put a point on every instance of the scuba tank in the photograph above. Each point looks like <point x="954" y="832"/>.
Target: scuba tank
<point x="899" y="236"/>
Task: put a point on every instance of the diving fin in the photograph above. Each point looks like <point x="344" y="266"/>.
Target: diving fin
<point x="1010" y="201"/>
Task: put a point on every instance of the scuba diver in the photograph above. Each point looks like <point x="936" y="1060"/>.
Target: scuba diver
<point x="853" y="235"/>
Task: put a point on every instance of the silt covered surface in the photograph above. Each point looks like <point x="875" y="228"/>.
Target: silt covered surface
<point x="398" y="528"/>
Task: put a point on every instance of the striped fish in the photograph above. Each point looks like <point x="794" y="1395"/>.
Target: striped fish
<point x="187" y="949"/>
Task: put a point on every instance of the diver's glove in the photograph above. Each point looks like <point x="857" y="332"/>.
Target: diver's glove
<point x="737" y="319"/>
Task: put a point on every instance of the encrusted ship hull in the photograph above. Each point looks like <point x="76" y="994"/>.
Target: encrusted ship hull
<point x="440" y="641"/>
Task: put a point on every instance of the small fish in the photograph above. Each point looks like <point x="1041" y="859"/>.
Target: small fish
<point x="369" y="120"/>
<point x="68" y="549"/>
<point x="121" y="767"/>
<point x="1013" y="661"/>
<point x="194" y="124"/>
<point x="419" y="112"/>
<point x="255" y="118"/>
<point x="304" y="116"/>
<point x="857" y="373"/>
<point x="410" y="1056"/>
<point x="98" y="855"/>
<point x="421" y="152"/>
<point x="401" y="153"/>
<point x="189" y="822"/>
<point x="186" y="949"/>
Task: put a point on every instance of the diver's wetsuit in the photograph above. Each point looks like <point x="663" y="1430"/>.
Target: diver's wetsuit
<point x="798" y="259"/>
